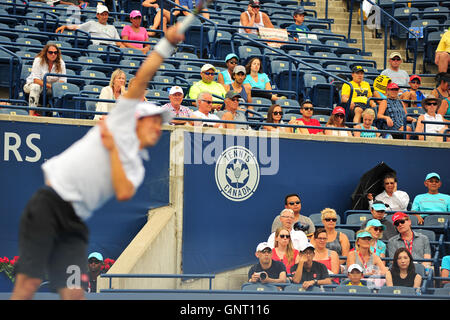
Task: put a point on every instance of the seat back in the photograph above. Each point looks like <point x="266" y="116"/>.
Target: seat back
<point x="397" y="290"/>
<point x="258" y="287"/>
<point x="358" y="218"/>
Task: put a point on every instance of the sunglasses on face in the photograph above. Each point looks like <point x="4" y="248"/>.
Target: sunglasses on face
<point x="232" y="62"/>
<point x="256" y="7"/>
<point x="52" y="52"/>
<point x="431" y="104"/>
<point x="379" y="229"/>
<point x="278" y="113"/>
<point x="330" y="219"/>
<point x="94" y="261"/>
<point x="207" y="101"/>
<point x="396" y="59"/>
<point x="399" y="222"/>
<point x="210" y="73"/>
<point x="340" y="115"/>
<point x="415" y="82"/>
<point x="388" y="183"/>
<point x="285" y="236"/>
<point x="308" y="108"/>
<point x="293" y="202"/>
<point x="366" y="238"/>
<point x="266" y="251"/>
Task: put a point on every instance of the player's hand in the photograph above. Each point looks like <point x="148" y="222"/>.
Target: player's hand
<point x="173" y="36"/>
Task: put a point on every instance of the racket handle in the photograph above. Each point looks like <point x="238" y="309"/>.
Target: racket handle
<point x="186" y="23"/>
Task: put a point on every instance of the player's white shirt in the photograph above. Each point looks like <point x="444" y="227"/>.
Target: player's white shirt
<point x="82" y="173"/>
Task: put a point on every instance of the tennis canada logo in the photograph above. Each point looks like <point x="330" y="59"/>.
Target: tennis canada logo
<point x="237" y="173"/>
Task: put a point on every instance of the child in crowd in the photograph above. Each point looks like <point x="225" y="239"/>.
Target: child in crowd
<point x="355" y="273"/>
<point x="413" y="93"/>
<point x="368" y="116"/>
<point x="298" y="26"/>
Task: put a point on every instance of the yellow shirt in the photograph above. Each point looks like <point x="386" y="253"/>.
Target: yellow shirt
<point x="444" y="44"/>
<point x="361" y="92"/>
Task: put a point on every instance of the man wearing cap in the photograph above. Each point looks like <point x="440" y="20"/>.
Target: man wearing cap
<point x="95" y="263"/>
<point x="360" y="96"/>
<point x="97" y="29"/>
<point x="355" y="273"/>
<point x="307" y="111"/>
<point x="298" y="26"/>
<point x="416" y="243"/>
<point x="275" y="271"/>
<point x="413" y="94"/>
<point x="135" y="32"/>
<point x="397" y="75"/>
<point x="254" y="18"/>
<point x="225" y="76"/>
<point x="287" y="220"/>
<point x="204" y="103"/>
<point x="395" y="200"/>
<point x="378" y="211"/>
<point x="176" y="96"/>
<point x="238" y="85"/>
<point x="207" y="84"/>
<point x="106" y="162"/>
<point x="309" y="272"/>
<point x="231" y="112"/>
<point x="431" y="104"/>
<point x="292" y="201"/>
<point x="433" y="200"/>
<point x="441" y="56"/>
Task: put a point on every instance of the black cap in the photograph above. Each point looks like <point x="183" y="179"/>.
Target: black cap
<point x="357" y="69"/>
<point x="299" y="10"/>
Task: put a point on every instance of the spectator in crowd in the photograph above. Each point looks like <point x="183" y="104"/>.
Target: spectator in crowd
<point x="380" y="86"/>
<point x="355" y="274"/>
<point x="337" y="120"/>
<point x="442" y="88"/>
<point x="113" y="91"/>
<point x="307" y="111"/>
<point x="360" y="96"/>
<point x="189" y="4"/>
<point x="253" y="18"/>
<point x="136" y="33"/>
<point x="445" y="269"/>
<point x="393" y="111"/>
<point x="322" y="254"/>
<point x="298" y="26"/>
<point x="204" y="103"/>
<point x="238" y="85"/>
<point x="441" y="56"/>
<point x="309" y="272"/>
<point x="97" y="29"/>
<point x="397" y="75"/>
<point x="433" y="200"/>
<point x="275" y="271"/>
<point x="176" y="96"/>
<point x="231" y="112"/>
<point x="431" y="104"/>
<point x="376" y="228"/>
<point x="292" y="201"/>
<point x="364" y="257"/>
<point x="378" y="211"/>
<point x="48" y="60"/>
<point x="416" y="243"/>
<point x="337" y="241"/>
<point x="207" y="84"/>
<point x="95" y="263"/>
<point x="275" y="115"/>
<point x="368" y="116"/>
<point x="298" y="237"/>
<point x="167" y="6"/>
<point x="413" y="93"/>
<point x="395" y="200"/>
<point x="257" y="79"/>
<point x="69" y="2"/>
<point x="403" y="272"/>
<point x="225" y="76"/>
<point x="284" y="250"/>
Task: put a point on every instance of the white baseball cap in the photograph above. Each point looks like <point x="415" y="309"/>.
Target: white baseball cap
<point x="355" y="266"/>
<point x="207" y="67"/>
<point x="148" y="109"/>
<point x="262" y="246"/>
<point x="102" y="8"/>
<point x="175" y="89"/>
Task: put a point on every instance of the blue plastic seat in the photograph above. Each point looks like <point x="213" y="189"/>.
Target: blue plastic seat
<point x="397" y="290"/>
<point x="358" y="218"/>
<point x="352" y="289"/>
<point x="258" y="287"/>
<point x="62" y="94"/>
<point x="95" y="77"/>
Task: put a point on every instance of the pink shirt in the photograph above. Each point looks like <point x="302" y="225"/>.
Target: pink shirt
<point x="132" y="35"/>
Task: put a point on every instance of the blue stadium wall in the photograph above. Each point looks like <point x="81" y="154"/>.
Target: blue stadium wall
<point x="113" y="226"/>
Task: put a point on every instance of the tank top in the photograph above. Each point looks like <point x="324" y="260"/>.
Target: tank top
<point x="259" y="24"/>
<point x="440" y="96"/>
<point x="226" y="77"/>
<point x="364" y="134"/>
<point x="243" y="93"/>
<point x="327" y="263"/>
<point x="407" y="282"/>
<point x="430" y="127"/>
<point x="366" y="266"/>
<point x="335" y="245"/>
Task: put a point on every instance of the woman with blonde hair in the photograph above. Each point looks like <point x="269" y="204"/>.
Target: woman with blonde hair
<point x="368" y="116"/>
<point x="47" y="61"/>
<point x="113" y="91"/>
<point x="284" y="249"/>
<point x="376" y="228"/>
<point x="337" y="240"/>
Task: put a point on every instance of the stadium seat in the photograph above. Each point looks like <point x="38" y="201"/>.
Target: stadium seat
<point x="338" y="68"/>
<point x="28" y="44"/>
<point x="130" y="66"/>
<point x="222" y="44"/>
<point x="262" y="104"/>
<point x="106" y="53"/>
<point x="316" y="218"/>
<point x="4" y="18"/>
<point x="299" y="288"/>
<point x="397" y="290"/>
<point x="323" y="119"/>
<point x="282" y="77"/>
<point x="405" y="15"/>
<point x="258" y="287"/>
<point x="94" y="77"/>
<point x="441" y="291"/>
<point x="245" y="53"/>
<point x="341" y="47"/>
<point x="14" y="112"/>
<point x="436" y="220"/>
<point x="160" y="96"/>
<point x="167" y="82"/>
<point x="288" y="116"/>
<point x="94" y="63"/>
<point x="358" y="218"/>
<point x="439" y="13"/>
<point x="429" y="233"/>
<point x="352" y="289"/>
<point x="62" y="94"/>
<point x="348" y="232"/>
<point x="190" y="72"/>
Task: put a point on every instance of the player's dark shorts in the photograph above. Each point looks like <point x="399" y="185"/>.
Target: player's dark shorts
<point x="52" y="241"/>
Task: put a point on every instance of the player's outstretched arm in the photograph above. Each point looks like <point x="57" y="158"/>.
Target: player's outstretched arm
<point x="163" y="49"/>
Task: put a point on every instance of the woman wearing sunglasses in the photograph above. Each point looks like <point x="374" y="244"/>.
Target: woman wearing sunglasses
<point x="284" y="249"/>
<point x="274" y="115"/>
<point x="431" y="105"/>
<point x="47" y="61"/>
<point x="337" y="241"/>
<point x="376" y="228"/>
<point x="324" y="255"/>
<point x="337" y="120"/>
<point x="403" y="272"/>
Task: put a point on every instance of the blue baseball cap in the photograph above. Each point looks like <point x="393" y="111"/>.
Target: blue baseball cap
<point x="432" y="175"/>
<point x="364" y="234"/>
<point x="96" y="255"/>
<point x="375" y="223"/>
<point x="379" y="206"/>
<point x="231" y="56"/>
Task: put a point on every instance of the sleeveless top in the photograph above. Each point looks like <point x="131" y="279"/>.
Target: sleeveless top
<point x="335" y="245"/>
<point x="284" y="260"/>
<point x="430" y="127"/>
<point x="396" y="112"/>
<point x="226" y="77"/>
<point x="366" y="266"/>
<point x="364" y="134"/>
<point x="327" y="263"/>
<point x="259" y="24"/>
<point x="440" y="96"/>
<point x="407" y="282"/>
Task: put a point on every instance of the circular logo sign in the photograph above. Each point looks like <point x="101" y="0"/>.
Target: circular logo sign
<point x="237" y="173"/>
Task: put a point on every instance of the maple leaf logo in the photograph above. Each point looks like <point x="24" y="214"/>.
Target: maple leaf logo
<point x="237" y="174"/>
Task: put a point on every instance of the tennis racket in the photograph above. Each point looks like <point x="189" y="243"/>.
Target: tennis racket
<point x="200" y="4"/>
